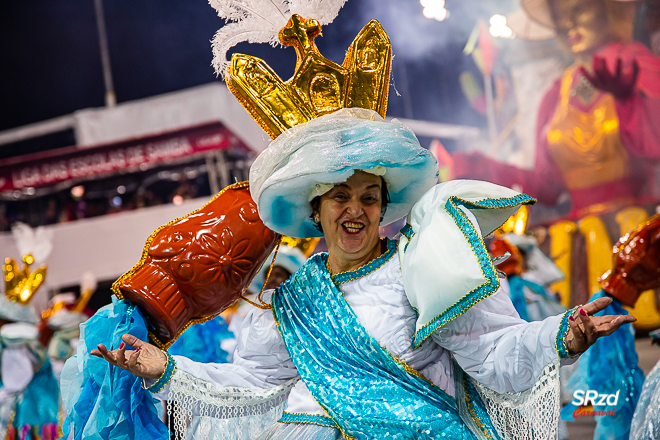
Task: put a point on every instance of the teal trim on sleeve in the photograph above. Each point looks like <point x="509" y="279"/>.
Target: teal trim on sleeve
<point x="478" y="246"/>
<point x="560" y="342"/>
<point x="166" y="377"/>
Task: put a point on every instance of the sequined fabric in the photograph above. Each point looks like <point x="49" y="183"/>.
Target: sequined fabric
<point x="358" y="383"/>
<point x="646" y="421"/>
<point x="280" y="431"/>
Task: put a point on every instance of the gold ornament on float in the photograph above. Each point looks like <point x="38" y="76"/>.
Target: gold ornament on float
<point x="516" y="224"/>
<point x="319" y="86"/>
<point x="21" y="285"/>
<point x="305" y="245"/>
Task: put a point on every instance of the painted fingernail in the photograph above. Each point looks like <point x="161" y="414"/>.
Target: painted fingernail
<point x="570" y="318"/>
<point x="122" y="345"/>
<point x="137" y="349"/>
<point x="582" y="312"/>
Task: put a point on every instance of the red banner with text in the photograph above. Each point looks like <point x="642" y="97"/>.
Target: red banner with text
<point x="73" y="163"/>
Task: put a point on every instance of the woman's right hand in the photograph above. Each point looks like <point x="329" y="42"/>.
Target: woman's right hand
<point x="146" y="360"/>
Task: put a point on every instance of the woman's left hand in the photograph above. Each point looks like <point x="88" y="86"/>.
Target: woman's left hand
<point x="585" y="328"/>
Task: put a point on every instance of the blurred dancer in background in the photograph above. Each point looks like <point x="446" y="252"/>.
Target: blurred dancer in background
<point x="29" y="393"/>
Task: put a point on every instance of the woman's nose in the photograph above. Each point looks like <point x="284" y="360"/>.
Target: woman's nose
<point x="355" y="208"/>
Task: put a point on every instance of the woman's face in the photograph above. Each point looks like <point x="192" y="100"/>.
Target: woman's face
<point x="350" y="216"/>
<point x="582" y="25"/>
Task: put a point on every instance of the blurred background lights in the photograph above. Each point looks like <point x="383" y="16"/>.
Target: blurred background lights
<point x="78" y="191"/>
<point x="499" y="28"/>
<point x="177" y="200"/>
<point x="434" y="9"/>
<point x="115" y="202"/>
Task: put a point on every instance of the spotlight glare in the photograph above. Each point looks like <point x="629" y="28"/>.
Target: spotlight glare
<point x="498" y="20"/>
<point x="441" y="14"/>
<point x="78" y="191"/>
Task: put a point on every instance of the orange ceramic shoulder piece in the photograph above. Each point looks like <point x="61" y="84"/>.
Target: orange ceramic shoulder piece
<point x="195" y="267"/>
<point x="636" y="263"/>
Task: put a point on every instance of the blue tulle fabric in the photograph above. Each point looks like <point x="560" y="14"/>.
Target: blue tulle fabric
<point x="39" y="403"/>
<point x="607" y="367"/>
<point x="367" y="392"/>
<point x="201" y="342"/>
<point x="517" y="294"/>
<point x="103" y="401"/>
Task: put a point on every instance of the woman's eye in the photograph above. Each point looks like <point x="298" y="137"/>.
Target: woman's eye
<point x="341" y="197"/>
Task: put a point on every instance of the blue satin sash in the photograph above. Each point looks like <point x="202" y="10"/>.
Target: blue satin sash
<point x="365" y="390"/>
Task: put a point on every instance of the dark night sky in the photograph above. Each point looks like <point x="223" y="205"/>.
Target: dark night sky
<point x="50" y="63"/>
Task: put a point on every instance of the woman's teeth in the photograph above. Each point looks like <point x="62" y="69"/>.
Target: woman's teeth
<point x="353" y="228"/>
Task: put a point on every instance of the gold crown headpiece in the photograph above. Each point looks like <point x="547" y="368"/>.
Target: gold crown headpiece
<point x="21" y="285"/>
<point x="319" y="86"/>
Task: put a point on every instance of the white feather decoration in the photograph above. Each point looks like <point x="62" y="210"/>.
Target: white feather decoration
<point x="88" y="282"/>
<point x="323" y="11"/>
<point x="37" y="242"/>
<point x="260" y="21"/>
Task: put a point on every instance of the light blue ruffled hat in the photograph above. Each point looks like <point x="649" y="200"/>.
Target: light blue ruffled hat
<point x="307" y="160"/>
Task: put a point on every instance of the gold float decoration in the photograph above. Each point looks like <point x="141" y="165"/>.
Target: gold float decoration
<point x="21" y="285"/>
<point x="305" y="245"/>
<point x="517" y="223"/>
<point x="599" y="250"/>
<point x="561" y="250"/>
<point x="319" y="86"/>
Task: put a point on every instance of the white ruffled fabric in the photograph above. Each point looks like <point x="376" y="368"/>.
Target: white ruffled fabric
<point x="439" y="263"/>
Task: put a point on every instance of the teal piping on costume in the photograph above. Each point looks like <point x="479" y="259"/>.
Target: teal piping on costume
<point x="407" y="230"/>
<point x="492" y="282"/>
<point x="309" y="419"/>
<point x="560" y="342"/>
<point x="345" y="277"/>
<point x="166" y="377"/>
<point x="477" y="409"/>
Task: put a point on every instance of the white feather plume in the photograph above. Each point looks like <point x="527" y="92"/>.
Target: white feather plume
<point x="88" y="282"/>
<point x="38" y="242"/>
<point x="323" y="11"/>
<point x="259" y="21"/>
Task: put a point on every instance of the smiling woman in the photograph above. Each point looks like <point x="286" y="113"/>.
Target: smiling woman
<point x="349" y="216"/>
<point x="415" y="338"/>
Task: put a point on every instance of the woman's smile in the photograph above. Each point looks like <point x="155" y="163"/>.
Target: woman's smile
<point x="352" y="227"/>
<point x="349" y="215"/>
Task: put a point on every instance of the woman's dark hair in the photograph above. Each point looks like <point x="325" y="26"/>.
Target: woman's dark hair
<point x="384" y="196"/>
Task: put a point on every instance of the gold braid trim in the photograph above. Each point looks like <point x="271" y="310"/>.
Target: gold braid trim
<point x="262" y="304"/>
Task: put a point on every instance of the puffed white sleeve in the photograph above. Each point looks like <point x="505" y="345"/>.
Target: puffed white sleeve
<point x="260" y="361"/>
<point x="496" y="347"/>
